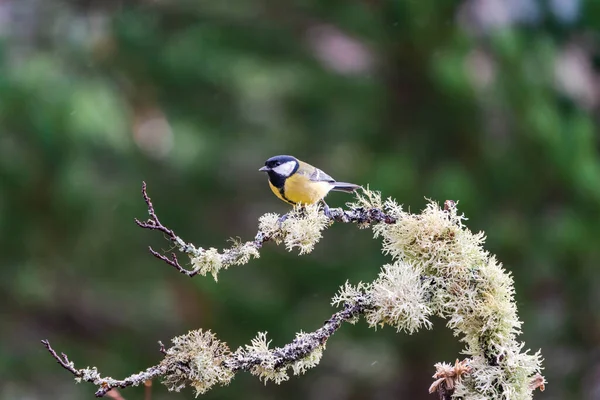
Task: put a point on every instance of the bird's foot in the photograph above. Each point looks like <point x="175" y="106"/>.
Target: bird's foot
<point x="282" y="219"/>
<point x="327" y="211"/>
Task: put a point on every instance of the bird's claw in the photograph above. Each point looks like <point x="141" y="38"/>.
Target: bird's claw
<point x="327" y="211"/>
<point x="282" y="219"/>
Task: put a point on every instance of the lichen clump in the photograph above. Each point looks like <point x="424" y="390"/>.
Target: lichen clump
<point x="400" y="295"/>
<point x="196" y="359"/>
<point x="302" y="228"/>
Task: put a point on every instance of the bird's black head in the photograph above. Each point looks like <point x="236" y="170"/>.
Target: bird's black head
<point x="280" y="168"/>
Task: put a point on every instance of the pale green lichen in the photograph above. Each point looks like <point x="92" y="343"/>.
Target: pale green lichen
<point x="440" y="267"/>
<point x="265" y="369"/>
<point x="399" y="298"/>
<point x="240" y="253"/>
<point x="196" y="359"/>
<point x="348" y="294"/>
<point x="270" y="226"/>
<point x="208" y="261"/>
<point x="309" y="361"/>
<point x="266" y="361"/>
<point x="303" y="228"/>
<point x="211" y="261"/>
<point x="366" y="199"/>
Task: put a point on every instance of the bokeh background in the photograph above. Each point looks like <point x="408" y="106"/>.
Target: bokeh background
<point x="490" y="102"/>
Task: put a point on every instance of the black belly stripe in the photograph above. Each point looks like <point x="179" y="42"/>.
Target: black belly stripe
<point x="282" y="193"/>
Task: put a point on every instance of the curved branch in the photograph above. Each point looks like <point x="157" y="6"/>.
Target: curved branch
<point x="278" y="358"/>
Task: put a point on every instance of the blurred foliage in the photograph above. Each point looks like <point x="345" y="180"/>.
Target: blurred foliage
<point x="490" y="102"/>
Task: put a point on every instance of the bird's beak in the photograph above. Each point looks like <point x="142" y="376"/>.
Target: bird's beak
<point x="263" y="169"/>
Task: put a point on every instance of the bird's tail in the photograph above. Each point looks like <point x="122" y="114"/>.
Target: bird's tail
<point x="345" y="187"/>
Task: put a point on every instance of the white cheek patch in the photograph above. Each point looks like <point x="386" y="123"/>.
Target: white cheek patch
<point x="285" y="169"/>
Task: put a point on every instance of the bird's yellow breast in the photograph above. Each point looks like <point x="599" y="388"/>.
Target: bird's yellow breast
<point x="300" y="189"/>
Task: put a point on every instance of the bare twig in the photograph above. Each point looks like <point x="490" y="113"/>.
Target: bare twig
<point x="173" y="262"/>
<point x="153" y="223"/>
<point x="63" y="360"/>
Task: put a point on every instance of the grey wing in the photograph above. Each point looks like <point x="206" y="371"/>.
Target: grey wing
<point x="320" y="176"/>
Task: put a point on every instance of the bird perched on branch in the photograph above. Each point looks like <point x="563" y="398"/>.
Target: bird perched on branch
<point x="297" y="182"/>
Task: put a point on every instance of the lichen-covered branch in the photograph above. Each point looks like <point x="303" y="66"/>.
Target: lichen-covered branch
<point x="301" y="229"/>
<point x="438" y="267"/>
<point x="305" y="343"/>
<point x="200" y="360"/>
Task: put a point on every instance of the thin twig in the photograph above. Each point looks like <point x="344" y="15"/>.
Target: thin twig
<point x="105" y="384"/>
<point x="153" y="223"/>
<point x="63" y="361"/>
<point x="162" y="347"/>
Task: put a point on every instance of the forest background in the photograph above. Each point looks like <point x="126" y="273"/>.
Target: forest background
<point x="490" y="102"/>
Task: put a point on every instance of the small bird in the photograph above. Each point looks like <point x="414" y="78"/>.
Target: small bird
<point x="297" y="182"/>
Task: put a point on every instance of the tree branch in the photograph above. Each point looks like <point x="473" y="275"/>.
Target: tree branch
<point x="278" y="358"/>
<point x="304" y="345"/>
<point x="439" y="267"/>
<point x="104" y="384"/>
<point x="358" y="215"/>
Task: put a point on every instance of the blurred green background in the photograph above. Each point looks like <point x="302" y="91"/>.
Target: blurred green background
<point x="490" y="102"/>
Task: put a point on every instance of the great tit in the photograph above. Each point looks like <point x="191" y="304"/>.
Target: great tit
<point x="297" y="182"/>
